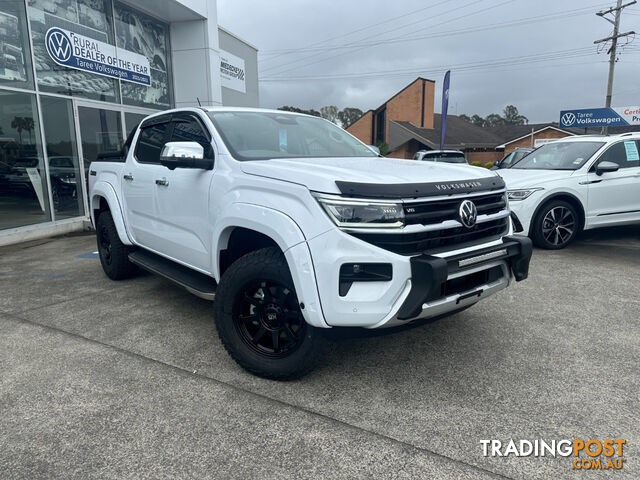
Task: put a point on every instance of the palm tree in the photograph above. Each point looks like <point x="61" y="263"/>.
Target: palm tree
<point x="18" y="123"/>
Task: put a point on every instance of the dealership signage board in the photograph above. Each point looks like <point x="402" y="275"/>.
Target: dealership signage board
<point x="232" y="72"/>
<point x="75" y="51"/>
<point x="600" y="117"/>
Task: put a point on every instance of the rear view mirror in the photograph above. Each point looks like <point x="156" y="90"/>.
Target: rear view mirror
<point x="185" y="155"/>
<point x="605" y="167"/>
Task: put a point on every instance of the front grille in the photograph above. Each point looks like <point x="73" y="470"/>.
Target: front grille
<point x="428" y="213"/>
<point x="471" y="281"/>
<point x="437" y="240"/>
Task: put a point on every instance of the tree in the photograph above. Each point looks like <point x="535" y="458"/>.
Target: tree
<point x="313" y="112"/>
<point x="349" y="115"/>
<point x="477" y="120"/>
<point x="493" y="120"/>
<point x="330" y="112"/>
<point x="513" y="117"/>
<point x="19" y="124"/>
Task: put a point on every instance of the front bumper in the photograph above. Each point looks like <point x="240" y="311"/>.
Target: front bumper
<point x="430" y="276"/>
<point x="421" y="286"/>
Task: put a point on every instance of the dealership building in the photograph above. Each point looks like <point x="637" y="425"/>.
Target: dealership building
<point x="76" y="76"/>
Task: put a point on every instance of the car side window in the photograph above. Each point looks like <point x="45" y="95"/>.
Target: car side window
<point x="150" y="143"/>
<point x="625" y="154"/>
<point x="189" y="130"/>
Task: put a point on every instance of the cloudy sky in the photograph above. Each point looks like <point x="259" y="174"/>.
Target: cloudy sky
<point x="538" y="55"/>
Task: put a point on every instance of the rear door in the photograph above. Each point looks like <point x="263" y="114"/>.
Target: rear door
<point x="614" y="198"/>
<point x="138" y="183"/>
<point x="183" y="200"/>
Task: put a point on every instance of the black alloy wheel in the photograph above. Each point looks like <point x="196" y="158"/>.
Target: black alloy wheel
<point x="260" y="319"/>
<point x="268" y="319"/>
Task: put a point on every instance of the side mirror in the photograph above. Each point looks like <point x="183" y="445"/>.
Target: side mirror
<point x="374" y="148"/>
<point x="605" y="167"/>
<point x="185" y="155"/>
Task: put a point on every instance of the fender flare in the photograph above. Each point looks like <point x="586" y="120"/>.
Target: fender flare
<point x="286" y="233"/>
<point x="102" y="189"/>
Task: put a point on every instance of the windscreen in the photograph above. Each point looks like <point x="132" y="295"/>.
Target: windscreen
<point x="449" y="157"/>
<point x="268" y="135"/>
<point x="559" y="156"/>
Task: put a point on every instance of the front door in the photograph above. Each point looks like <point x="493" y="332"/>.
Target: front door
<point x="614" y="197"/>
<point x="183" y="200"/>
<point x="138" y="181"/>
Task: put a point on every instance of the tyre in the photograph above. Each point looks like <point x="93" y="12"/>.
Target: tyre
<point x="259" y="318"/>
<point x="114" y="255"/>
<point x="555" y="226"/>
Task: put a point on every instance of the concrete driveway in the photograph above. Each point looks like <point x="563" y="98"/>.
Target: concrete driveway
<point x="110" y="380"/>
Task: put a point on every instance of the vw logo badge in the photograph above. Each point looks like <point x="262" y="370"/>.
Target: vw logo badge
<point x="58" y="45"/>
<point x="468" y="213"/>
<point x="568" y="119"/>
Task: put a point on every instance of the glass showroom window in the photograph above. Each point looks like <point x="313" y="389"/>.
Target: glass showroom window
<point x="91" y="18"/>
<point x="15" y="58"/>
<point x="24" y="199"/>
<point x="147" y="36"/>
<point x="62" y="154"/>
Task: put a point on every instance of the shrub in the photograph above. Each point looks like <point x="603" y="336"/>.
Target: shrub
<point x="488" y="165"/>
<point x="476" y="164"/>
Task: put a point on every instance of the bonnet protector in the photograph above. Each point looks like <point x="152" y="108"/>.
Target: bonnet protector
<point x="414" y="190"/>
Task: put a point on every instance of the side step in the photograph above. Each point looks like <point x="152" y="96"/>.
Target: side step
<point x="197" y="283"/>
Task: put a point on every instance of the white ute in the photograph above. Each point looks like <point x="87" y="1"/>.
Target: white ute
<point x="292" y="226"/>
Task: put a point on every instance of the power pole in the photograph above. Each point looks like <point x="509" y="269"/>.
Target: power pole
<point x="617" y="10"/>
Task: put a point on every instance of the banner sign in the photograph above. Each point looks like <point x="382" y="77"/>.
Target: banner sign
<point x="232" y="72"/>
<point x="600" y="117"/>
<point x="445" y="107"/>
<point x="75" y="51"/>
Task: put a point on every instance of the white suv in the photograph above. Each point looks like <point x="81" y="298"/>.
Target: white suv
<point x="575" y="184"/>
<point x="291" y="225"/>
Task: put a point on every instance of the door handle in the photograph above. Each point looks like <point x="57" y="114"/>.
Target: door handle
<point x="128" y="177"/>
<point x="162" y="181"/>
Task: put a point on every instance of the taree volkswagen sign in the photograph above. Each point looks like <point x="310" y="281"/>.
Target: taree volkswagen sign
<point x="600" y="117"/>
<point x="75" y="51"/>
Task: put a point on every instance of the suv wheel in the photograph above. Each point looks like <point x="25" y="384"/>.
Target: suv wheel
<point x="114" y="255"/>
<point x="555" y="225"/>
<point x="259" y="320"/>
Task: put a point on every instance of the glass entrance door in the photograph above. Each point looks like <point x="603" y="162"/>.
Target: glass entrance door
<point x="100" y="132"/>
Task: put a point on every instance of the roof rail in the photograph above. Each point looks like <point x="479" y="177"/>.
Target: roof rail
<point x="627" y="134"/>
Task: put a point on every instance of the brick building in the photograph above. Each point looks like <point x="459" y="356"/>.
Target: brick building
<point x="407" y="123"/>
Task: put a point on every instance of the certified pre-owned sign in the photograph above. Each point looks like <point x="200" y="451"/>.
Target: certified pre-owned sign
<point x="600" y="117"/>
<point x="71" y="50"/>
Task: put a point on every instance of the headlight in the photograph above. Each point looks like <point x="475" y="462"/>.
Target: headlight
<point x="521" y="194"/>
<point x="347" y="213"/>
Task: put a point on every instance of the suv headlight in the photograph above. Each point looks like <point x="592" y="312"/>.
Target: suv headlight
<point x="521" y="194"/>
<point x="353" y="214"/>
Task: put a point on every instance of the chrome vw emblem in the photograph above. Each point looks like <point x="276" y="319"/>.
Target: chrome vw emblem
<point x="467" y="213"/>
<point x="568" y="119"/>
<point x="58" y="45"/>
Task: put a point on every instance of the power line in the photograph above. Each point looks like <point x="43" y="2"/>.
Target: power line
<point x="617" y="11"/>
<point x="368" y="27"/>
<point x="493" y="26"/>
<point x="376" y="34"/>
<point x="520" y="59"/>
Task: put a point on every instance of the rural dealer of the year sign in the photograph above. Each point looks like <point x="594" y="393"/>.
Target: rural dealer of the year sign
<point x="71" y="50"/>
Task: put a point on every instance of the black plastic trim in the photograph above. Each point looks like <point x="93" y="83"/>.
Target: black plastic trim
<point x="417" y="190"/>
<point x="429" y="273"/>
<point x="516" y="223"/>
<point x="368" y="272"/>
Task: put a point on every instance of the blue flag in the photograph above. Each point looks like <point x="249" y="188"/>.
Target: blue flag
<point x="445" y="106"/>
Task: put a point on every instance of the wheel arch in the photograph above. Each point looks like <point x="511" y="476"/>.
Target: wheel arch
<point x="103" y="198"/>
<point x="248" y="227"/>
<point x="567" y="197"/>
